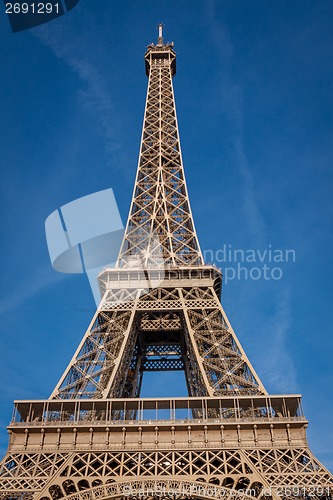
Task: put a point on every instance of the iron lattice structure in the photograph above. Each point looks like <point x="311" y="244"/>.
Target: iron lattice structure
<point x="160" y="310"/>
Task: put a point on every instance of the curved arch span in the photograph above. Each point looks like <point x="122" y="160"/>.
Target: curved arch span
<point x="146" y="489"/>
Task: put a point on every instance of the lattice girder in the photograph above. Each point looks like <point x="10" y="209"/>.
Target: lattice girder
<point x="160" y="206"/>
<point x="258" y="471"/>
<point x="112" y="355"/>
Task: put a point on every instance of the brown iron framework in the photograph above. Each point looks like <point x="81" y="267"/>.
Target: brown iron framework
<point x="95" y="438"/>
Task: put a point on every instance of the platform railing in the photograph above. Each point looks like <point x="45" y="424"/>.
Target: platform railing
<point x="162" y="410"/>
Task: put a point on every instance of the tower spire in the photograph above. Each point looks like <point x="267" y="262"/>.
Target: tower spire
<point x="160" y="34"/>
<point x="160" y="229"/>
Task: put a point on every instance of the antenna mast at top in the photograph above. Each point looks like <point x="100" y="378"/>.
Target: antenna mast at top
<point x="160" y="34"/>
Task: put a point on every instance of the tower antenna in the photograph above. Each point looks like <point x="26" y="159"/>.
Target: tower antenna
<point x="160" y="34"/>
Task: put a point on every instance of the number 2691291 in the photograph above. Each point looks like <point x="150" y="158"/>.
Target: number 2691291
<point x="32" y="8"/>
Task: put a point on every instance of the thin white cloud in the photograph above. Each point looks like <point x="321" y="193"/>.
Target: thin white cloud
<point x="279" y="371"/>
<point x="69" y="47"/>
<point x="277" y="365"/>
<point x="30" y="287"/>
<point x="256" y="223"/>
<point x="232" y="105"/>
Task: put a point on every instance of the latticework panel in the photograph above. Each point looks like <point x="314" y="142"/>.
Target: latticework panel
<point x="270" y="472"/>
<point x="160" y="299"/>
<point x="291" y="467"/>
<point x="160" y="228"/>
<point x="220" y="355"/>
<point x="98" y="356"/>
<point x="17" y="495"/>
<point x="23" y="473"/>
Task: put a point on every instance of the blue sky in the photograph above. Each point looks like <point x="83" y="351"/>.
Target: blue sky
<point x="254" y="101"/>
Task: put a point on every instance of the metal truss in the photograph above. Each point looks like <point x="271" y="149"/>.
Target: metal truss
<point x="160" y="228"/>
<point x="164" y="329"/>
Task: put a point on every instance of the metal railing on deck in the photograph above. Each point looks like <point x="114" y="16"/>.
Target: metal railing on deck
<point x="158" y="411"/>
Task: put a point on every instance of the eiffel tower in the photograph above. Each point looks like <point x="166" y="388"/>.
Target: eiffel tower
<point x="95" y="438"/>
